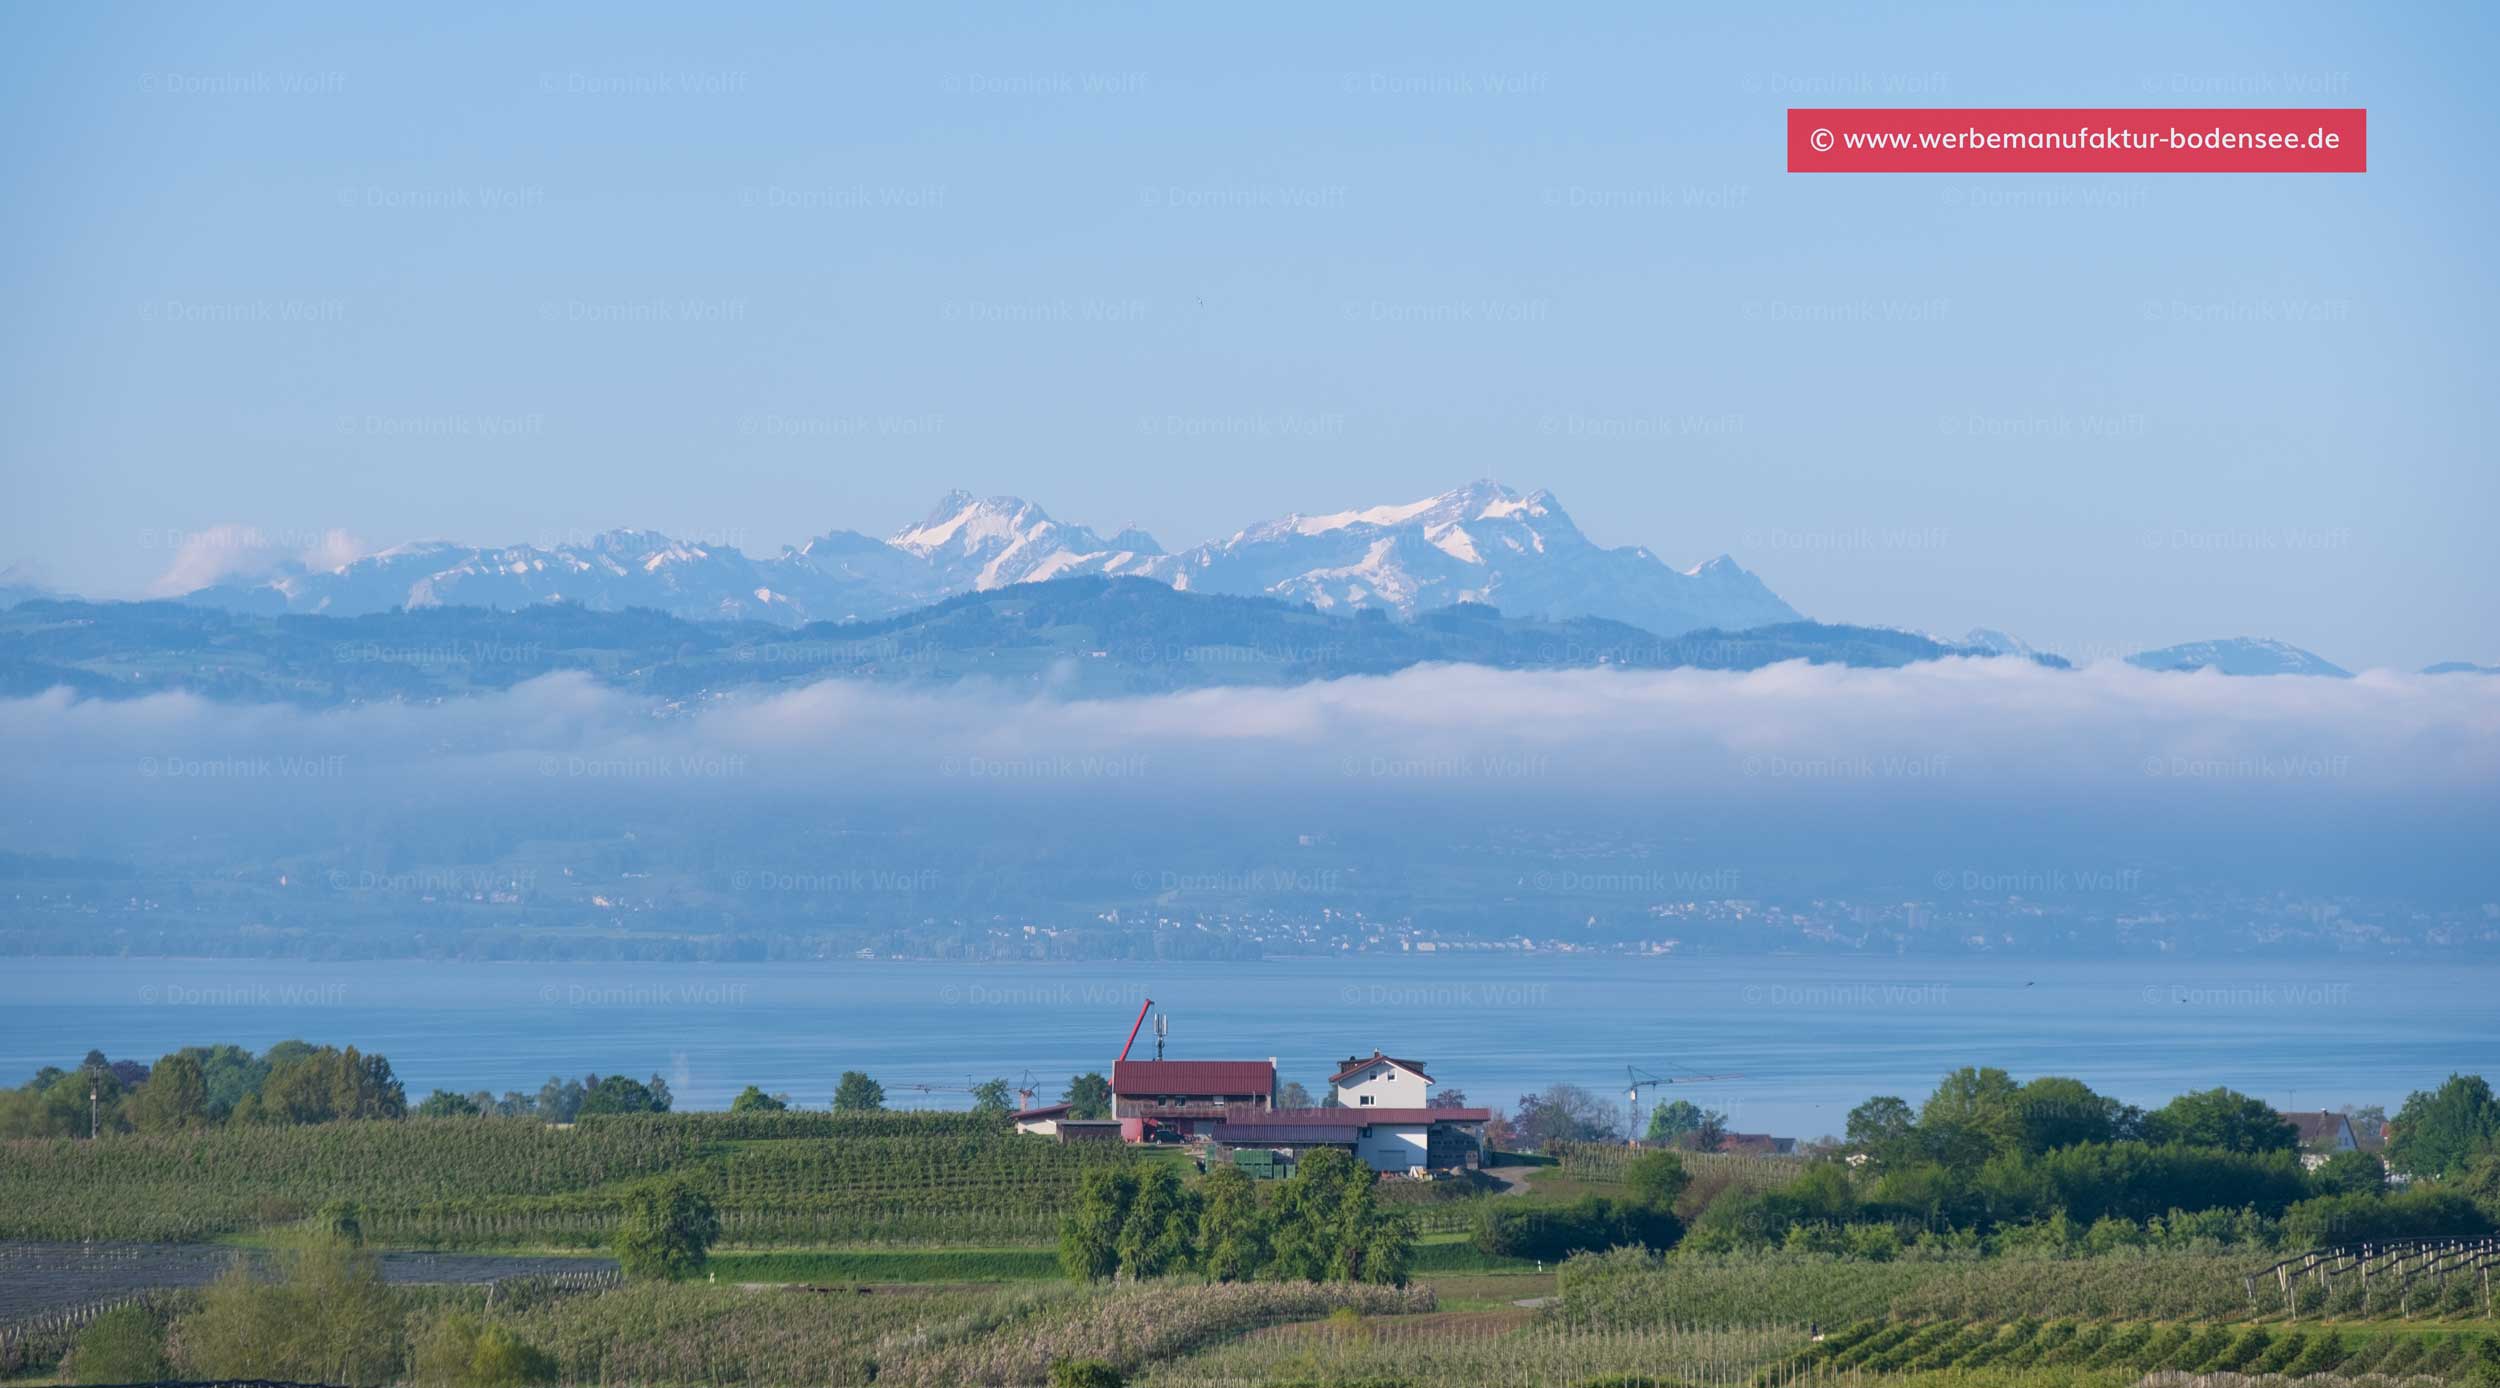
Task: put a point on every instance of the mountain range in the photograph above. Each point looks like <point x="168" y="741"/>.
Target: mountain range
<point x="1083" y="636"/>
<point x="1481" y="543"/>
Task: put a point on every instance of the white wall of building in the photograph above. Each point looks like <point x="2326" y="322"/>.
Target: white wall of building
<point x="1384" y="1085"/>
<point x="1393" y="1147"/>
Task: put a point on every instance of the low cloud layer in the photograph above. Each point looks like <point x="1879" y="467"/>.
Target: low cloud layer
<point x="1812" y="760"/>
<point x="232" y="552"/>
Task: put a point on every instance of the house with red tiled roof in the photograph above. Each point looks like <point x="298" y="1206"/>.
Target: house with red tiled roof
<point x="2322" y="1135"/>
<point x="1381" y="1081"/>
<point x="1187" y="1097"/>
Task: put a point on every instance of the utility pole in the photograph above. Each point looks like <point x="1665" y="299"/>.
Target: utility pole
<point x="95" y="1085"/>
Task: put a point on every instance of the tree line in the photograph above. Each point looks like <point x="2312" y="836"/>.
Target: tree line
<point x="1321" y="1224"/>
<point x="296" y="1082"/>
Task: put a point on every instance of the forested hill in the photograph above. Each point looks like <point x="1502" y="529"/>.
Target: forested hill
<point x="1076" y="636"/>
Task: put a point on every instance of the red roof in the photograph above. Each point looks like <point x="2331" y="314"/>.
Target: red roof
<point x="1325" y="1117"/>
<point x="1354" y="1063"/>
<point x="1193" y="1078"/>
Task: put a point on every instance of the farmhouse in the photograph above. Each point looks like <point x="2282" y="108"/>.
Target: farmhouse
<point x="2322" y="1135"/>
<point x="1381" y="1081"/>
<point x="1402" y="1139"/>
<point x="1186" y="1098"/>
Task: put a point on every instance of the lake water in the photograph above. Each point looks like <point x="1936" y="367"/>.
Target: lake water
<point x="1809" y="1037"/>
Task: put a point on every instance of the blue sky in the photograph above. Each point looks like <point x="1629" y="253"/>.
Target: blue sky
<point x="501" y="277"/>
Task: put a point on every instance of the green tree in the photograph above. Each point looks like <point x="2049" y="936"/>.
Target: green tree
<point x="2350" y="1173"/>
<point x="1655" y="1179"/>
<point x="754" y="1100"/>
<point x="2221" y="1118"/>
<point x="994" y="1097"/>
<point x="617" y="1094"/>
<point x="667" y="1232"/>
<point x="1232" y="1227"/>
<point x="1672" y="1120"/>
<point x="174" y="1098"/>
<point x="1088" y="1096"/>
<point x="1089" y="1234"/>
<point x="325" y="1084"/>
<point x="326" y="1318"/>
<point x="2445" y="1130"/>
<point x="442" y="1103"/>
<point x="1971" y="1117"/>
<point x="1292" y="1095"/>
<point x="123" y="1345"/>
<point x="856" y="1093"/>
<point x="2053" y="1111"/>
<point x="1161" y="1225"/>
<point x="1885" y="1128"/>
<point x="1329" y="1228"/>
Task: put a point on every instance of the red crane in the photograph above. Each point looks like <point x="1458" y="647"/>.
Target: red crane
<point x="1132" y="1028"/>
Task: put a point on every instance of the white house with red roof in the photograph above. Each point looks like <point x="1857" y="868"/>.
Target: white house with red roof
<point x="1382" y="1111"/>
<point x="1381" y="1081"/>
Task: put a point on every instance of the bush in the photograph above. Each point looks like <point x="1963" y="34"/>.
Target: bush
<point x="123" y="1345"/>
<point x="460" y="1351"/>
<point x="1591" y="1224"/>
<point x="328" y="1318"/>
<point x="2417" y="1213"/>
<point x="667" y="1232"/>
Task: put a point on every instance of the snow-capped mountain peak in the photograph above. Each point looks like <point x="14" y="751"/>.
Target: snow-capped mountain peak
<point x="1482" y="542"/>
<point x="2240" y="655"/>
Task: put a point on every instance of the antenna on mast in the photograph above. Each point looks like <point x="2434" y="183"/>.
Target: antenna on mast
<point x="1163" y="1028"/>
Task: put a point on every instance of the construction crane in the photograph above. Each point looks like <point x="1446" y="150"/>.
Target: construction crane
<point x="1025" y="1091"/>
<point x="1133" y="1026"/>
<point x="1636" y="1079"/>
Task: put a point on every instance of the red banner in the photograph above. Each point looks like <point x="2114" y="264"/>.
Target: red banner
<point x="2078" y="140"/>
